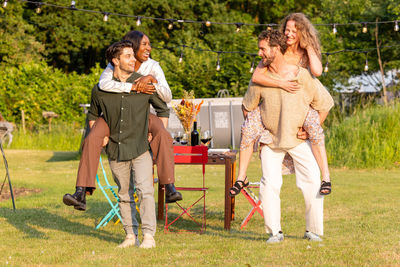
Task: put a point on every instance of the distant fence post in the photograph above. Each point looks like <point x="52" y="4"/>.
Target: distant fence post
<point x="23" y="121"/>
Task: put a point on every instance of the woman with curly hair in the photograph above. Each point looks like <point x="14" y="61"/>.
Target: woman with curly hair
<point x="304" y="51"/>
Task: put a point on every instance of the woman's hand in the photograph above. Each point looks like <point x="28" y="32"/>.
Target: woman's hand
<point x="302" y="134"/>
<point x="105" y="141"/>
<point x="144" y="84"/>
<point x="289" y="86"/>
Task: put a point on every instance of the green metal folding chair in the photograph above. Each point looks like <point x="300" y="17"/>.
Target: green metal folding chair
<point x="108" y="191"/>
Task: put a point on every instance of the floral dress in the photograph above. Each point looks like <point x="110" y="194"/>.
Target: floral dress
<point x="253" y="130"/>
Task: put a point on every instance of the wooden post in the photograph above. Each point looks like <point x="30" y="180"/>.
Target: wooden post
<point x="23" y="120"/>
<point x="380" y="64"/>
<point x="49" y="115"/>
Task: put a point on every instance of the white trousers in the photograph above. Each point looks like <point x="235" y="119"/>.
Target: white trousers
<point x="307" y="179"/>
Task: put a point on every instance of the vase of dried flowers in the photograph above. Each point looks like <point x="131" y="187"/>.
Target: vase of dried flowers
<point x="186" y="111"/>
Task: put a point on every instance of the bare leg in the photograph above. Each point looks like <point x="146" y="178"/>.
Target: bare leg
<point x="244" y="161"/>
<point x="320" y="155"/>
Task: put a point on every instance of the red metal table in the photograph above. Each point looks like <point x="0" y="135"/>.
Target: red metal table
<point x="229" y="160"/>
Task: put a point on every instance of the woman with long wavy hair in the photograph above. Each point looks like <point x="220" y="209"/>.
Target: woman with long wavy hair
<point x="304" y="51"/>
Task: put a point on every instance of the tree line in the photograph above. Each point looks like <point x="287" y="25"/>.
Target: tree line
<point x="51" y="59"/>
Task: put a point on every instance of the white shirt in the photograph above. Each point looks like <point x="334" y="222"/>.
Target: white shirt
<point x="149" y="67"/>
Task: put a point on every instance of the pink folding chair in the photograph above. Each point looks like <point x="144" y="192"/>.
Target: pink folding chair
<point x="190" y="155"/>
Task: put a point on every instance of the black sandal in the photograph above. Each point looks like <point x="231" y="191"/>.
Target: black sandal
<point x="238" y="186"/>
<point x="325" y="186"/>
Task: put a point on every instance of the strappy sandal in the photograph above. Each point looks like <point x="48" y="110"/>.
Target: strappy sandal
<point x="238" y="186"/>
<point x="325" y="188"/>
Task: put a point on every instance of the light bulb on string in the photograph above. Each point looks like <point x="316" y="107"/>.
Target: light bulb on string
<point x="396" y="26"/>
<point x="326" y="69"/>
<point x="366" y="62"/>
<point x="252" y="65"/>
<point x="208" y="23"/>
<point x="73" y="3"/>
<point x="105" y="18"/>
<point x="334" y="30"/>
<point x="269" y="28"/>
<point x="238" y="26"/>
<point x="38" y="8"/>
<point x="181" y="57"/>
<point x="218" y="63"/>
<point x="5" y="4"/>
<point x="364" y="28"/>
<point x="139" y="21"/>
<point x="171" y="24"/>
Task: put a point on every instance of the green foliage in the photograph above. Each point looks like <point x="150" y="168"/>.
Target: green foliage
<point x="36" y="87"/>
<point x="63" y="137"/>
<point x="369" y="138"/>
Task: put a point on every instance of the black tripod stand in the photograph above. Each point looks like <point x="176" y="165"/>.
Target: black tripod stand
<point x="7" y="175"/>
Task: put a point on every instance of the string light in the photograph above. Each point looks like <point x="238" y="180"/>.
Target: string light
<point x="327" y="63"/>
<point x="269" y="28"/>
<point x="218" y="63"/>
<point x="139" y="21"/>
<point x="334" y="30"/>
<point x="252" y="65"/>
<point x="181" y="57"/>
<point x="105" y="18"/>
<point x="73" y="5"/>
<point x="171" y="24"/>
<point x="208" y="23"/>
<point x="5" y="4"/>
<point x="396" y="26"/>
<point x="364" y="28"/>
<point x="366" y="62"/>
<point x="39" y="8"/>
<point x="238" y="26"/>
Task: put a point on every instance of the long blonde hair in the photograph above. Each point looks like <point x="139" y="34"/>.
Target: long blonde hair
<point x="308" y="35"/>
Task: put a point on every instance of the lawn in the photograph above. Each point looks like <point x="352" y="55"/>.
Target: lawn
<point x="361" y="222"/>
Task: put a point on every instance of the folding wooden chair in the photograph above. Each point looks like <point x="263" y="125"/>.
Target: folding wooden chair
<point x="253" y="200"/>
<point x="190" y="155"/>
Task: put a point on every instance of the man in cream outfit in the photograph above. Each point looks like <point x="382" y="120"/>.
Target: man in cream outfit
<point x="283" y="115"/>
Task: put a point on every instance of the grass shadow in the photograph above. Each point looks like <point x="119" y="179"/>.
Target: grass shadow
<point x="64" y="156"/>
<point x="28" y="220"/>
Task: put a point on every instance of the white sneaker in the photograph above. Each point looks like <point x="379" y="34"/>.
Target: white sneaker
<point x="275" y="238"/>
<point x="312" y="237"/>
<point x="148" y="241"/>
<point x="130" y="240"/>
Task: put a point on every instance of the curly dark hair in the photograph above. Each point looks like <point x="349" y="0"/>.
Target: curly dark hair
<point x="135" y="37"/>
<point x="115" y="50"/>
<point x="274" y="38"/>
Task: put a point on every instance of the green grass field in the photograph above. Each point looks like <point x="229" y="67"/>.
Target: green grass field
<point x="361" y="222"/>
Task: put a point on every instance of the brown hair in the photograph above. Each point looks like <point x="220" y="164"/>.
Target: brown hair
<point x="115" y="50"/>
<point x="308" y="35"/>
<point x="274" y="38"/>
